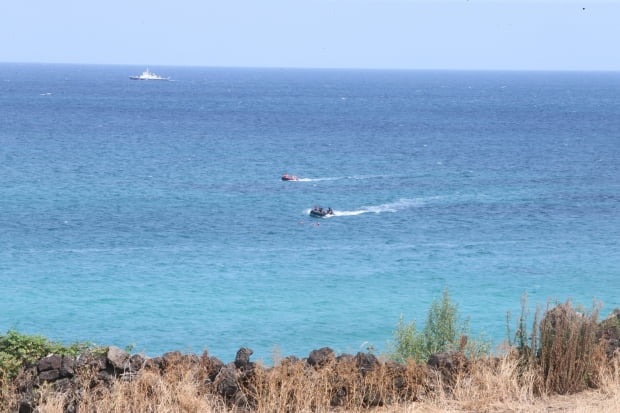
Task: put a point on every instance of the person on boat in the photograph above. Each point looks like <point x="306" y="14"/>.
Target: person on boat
<point x="330" y="211"/>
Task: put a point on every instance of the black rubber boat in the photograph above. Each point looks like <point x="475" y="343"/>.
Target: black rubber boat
<point x="320" y="212"/>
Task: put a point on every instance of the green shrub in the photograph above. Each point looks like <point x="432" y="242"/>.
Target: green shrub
<point x="408" y="343"/>
<point x="17" y="350"/>
<point x="445" y="330"/>
<point x="525" y="340"/>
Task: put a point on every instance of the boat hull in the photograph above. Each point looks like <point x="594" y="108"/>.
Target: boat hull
<point x="148" y="75"/>
<point x="144" y="78"/>
<point x="319" y="214"/>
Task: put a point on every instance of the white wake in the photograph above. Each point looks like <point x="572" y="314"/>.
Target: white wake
<point x="337" y="178"/>
<point x="401" y="204"/>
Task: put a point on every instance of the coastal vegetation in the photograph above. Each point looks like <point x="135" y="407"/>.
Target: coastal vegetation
<point x="563" y="359"/>
<point x="445" y="330"/>
<point x="18" y="350"/>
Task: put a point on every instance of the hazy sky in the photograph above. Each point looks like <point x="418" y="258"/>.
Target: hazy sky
<point x="416" y="34"/>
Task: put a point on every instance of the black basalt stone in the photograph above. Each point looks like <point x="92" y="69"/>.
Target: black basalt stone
<point x="242" y="360"/>
<point x="136" y="361"/>
<point x="67" y="367"/>
<point x="154" y="364"/>
<point x="345" y="358"/>
<point x="49" y="375"/>
<point x="51" y="362"/>
<point x="171" y="358"/>
<point x="366" y="362"/>
<point x="321" y="356"/>
<point x="441" y="361"/>
<point x="118" y="359"/>
<point x="289" y="360"/>
<point x="213" y="366"/>
<point x="25" y="406"/>
<point x="226" y="382"/>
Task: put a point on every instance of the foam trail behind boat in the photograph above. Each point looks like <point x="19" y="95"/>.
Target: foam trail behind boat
<point x="337" y="178"/>
<point x="320" y="179"/>
<point x="399" y="205"/>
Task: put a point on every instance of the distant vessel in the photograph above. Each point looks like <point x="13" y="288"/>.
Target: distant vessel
<point x="148" y="75"/>
<point x="320" y="212"/>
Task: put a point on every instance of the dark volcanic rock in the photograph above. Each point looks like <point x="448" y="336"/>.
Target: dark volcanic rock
<point x="136" y="362"/>
<point x="88" y="359"/>
<point x="226" y="382"/>
<point x="345" y="358"/>
<point x="191" y="359"/>
<point x="171" y="358"/>
<point x="118" y="359"/>
<point x="242" y="360"/>
<point x="321" y="356"/>
<point x="52" y="362"/>
<point x="227" y="385"/>
<point x="49" y="375"/>
<point x="448" y="364"/>
<point x="155" y="363"/>
<point x="62" y="385"/>
<point x="213" y="365"/>
<point x="397" y="373"/>
<point x="440" y="361"/>
<point x="289" y="360"/>
<point x="106" y="377"/>
<point x="609" y="335"/>
<point x="25" y="406"/>
<point x="366" y="362"/>
<point x="67" y="367"/>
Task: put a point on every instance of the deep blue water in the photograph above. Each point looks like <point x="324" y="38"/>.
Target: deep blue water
<point x="152" y="213"/>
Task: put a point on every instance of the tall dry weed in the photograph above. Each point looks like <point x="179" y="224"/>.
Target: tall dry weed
<point x="570" y="354"/>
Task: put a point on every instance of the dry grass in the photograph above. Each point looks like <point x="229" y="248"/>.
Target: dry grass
<point x="567" y="372"/>
<point x="295" y="388"/>
<point x="489" y="385"/>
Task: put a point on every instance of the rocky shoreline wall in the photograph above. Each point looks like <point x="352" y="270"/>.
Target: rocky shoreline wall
<point x="237" y="384"/>
<point x="73" y="376"/>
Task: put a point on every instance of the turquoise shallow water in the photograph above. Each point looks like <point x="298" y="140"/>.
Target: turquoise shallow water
<point x="152" y="213"/>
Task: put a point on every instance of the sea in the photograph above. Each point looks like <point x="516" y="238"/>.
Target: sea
<point x="152" y="215"/>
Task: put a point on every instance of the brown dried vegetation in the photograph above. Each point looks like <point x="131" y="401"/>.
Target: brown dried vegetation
<point x="571" y="356"/>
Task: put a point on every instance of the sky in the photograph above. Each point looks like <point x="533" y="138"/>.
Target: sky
<point x="374" y="34"/>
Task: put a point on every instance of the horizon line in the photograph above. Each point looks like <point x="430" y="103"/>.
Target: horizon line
<point x="266" y="67"/>
<point x="409" y="69"/>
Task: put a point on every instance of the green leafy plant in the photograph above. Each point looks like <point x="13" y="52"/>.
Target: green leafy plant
<point x="408" y="342"/>
<point x="445" y="330"/>
<point x="17" y="350"/>
<point x="525" y="340"/>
